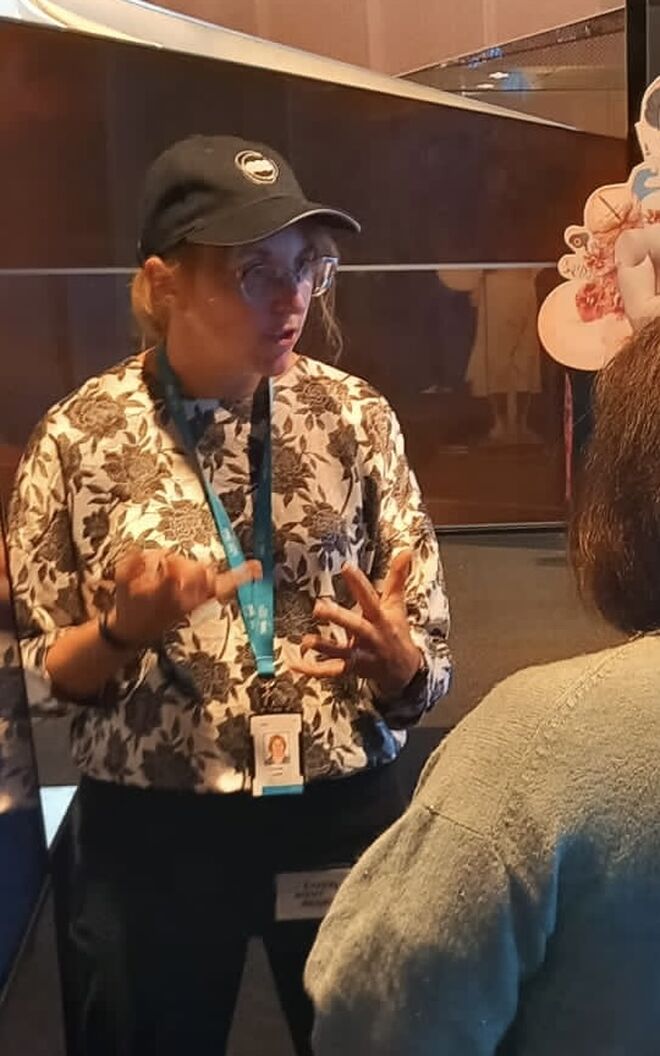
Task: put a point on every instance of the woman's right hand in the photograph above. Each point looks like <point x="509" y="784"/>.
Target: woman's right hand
<point x="156" y="589"/>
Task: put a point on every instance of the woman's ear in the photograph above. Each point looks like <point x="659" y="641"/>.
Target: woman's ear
<point x="163" y="284"/>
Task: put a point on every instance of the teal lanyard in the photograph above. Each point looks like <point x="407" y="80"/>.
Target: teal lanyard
<point x="256" y="598"/>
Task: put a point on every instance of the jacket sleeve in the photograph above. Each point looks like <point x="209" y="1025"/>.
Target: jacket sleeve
<point x="400" y="521"/>
<point x="42" y="564"/>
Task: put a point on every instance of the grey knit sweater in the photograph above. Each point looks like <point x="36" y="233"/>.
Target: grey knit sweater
<point x="515" y="908"/>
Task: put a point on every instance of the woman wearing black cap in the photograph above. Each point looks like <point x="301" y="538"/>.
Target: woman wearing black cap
<point x="138" y="501"/>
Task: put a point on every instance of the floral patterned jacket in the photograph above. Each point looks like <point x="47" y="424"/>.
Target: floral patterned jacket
<point x="105" y="470"/>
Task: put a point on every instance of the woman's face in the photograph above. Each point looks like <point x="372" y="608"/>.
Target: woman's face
<point x="277" y="748"/>
<point x="245" y="305"/>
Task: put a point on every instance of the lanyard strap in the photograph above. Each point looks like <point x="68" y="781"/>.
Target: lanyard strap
<point x="256" y="598"/>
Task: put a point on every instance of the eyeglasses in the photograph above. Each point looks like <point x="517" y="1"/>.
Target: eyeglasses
<point x="259" y="282"/>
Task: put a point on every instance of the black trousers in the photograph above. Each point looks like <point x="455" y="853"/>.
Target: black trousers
<point x="169" y="887"/>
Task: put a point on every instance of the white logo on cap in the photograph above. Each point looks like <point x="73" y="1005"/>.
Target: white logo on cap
<point x="256" y="166"/>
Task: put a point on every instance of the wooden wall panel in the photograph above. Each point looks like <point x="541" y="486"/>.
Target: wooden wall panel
<point x="432" y="184"/>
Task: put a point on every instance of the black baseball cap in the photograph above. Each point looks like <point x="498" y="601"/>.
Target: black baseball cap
<point x="223" y="191"/>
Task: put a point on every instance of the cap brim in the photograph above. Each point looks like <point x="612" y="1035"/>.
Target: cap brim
<point x="261" y="219"/>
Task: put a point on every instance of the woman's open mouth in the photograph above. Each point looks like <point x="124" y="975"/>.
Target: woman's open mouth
<point x="284" y="337"/>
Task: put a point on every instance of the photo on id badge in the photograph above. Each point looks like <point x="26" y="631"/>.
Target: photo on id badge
<point x="277" y="763"/>
<point x="276" y="749"/>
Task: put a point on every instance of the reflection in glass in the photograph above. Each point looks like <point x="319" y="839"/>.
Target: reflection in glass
<point x="456" y="351"/>
<point x="505" y="360"/>
<point x="574" y="74"/>
<point x="22" y="846"/>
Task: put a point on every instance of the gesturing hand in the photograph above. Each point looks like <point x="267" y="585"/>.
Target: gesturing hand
<point x="379" y="646"/>
<point x="155" y="589"/>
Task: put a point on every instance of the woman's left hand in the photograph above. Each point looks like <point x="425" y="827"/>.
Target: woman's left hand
<point x="380" y="646"/>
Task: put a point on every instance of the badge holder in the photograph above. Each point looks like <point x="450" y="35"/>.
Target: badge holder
<point x="276" y="742"/>
<point x="307" y="895"/>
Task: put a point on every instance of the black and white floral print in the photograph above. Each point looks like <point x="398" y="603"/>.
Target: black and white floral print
<point x="105" y="471"/>
<point x="18" y="786"/>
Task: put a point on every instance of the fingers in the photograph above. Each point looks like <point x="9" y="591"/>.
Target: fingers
<point x="129" y="567"/>
<point x="226" y="584"/>
<point x="352" y="622"/>
<point x="176" y="585"/>
<point x="362" y="591"/>
<point x="374" y="635"/>
<point x="184" y="583"/>
<point x="195" y="582"/>
<point x="141" y="570"/>
<point x="333" y="650"/>
<point x="349" y="660"/>
<point x="320" y="668"/>
<point x="369" y="626"/>
<point x="397" y="576"/>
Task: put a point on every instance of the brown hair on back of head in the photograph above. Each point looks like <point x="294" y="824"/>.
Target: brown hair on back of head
<point x="615" y="528"/>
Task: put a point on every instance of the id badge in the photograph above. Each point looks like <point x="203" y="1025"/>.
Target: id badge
<point x="307" y="895"/>
<point x="277" y="764"/>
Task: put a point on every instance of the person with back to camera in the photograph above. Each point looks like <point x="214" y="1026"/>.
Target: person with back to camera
<point x="138" y="501"/>
<point x="515" y="907"/>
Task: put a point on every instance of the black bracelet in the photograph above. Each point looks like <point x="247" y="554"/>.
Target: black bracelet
<point x="112" y="639"/>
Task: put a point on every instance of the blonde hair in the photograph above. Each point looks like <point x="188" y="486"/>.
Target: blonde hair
<point x="322" y="309"/>
<point x="148" y="306"/>
<point x="151" y="315"/>
<point x="149" y="323"/>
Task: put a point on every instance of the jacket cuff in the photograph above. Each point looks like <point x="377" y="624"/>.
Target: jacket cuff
<point x="406" y="707"/>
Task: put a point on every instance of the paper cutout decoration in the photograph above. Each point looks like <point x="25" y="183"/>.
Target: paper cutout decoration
<point x="613" y="270"/>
